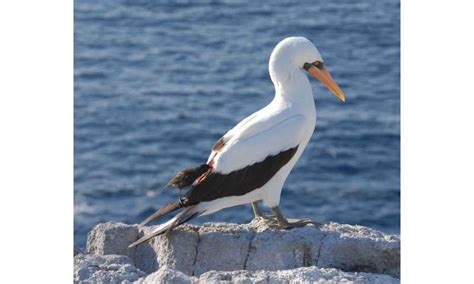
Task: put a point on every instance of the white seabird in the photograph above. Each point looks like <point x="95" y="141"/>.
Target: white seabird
<point x="251" y="162"/>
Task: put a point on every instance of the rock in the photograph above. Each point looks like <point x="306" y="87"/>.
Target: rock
<point x="231" y="241"/>
<point x="111" y="238"/>
<point x="274" y="250"/>
<point x="194" y="250"/>
<point x="357" y="248"/>
<point x="311" y="274"/>
<point x="78" y="249"/>
<point x="105" y="269"/>
<point x="177" y="250"/>
<point x="167" y="275"/>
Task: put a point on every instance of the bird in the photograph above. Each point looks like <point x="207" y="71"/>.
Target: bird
<point x="251" y="162"/>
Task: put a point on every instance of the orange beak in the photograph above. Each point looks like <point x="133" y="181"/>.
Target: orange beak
<point x="323" y="75"/>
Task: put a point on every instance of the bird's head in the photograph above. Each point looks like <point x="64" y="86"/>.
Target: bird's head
<point x="298" y="53"/>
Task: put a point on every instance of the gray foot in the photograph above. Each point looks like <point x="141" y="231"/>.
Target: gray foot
<point x="258" y="213"/>
<point x="278" y="221"/>
<point x="294" y="223"/>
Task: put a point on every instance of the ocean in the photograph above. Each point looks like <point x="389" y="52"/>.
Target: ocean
<point x="156" y="83"/>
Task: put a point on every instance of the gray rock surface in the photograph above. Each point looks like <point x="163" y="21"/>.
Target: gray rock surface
<point x="105" y="269"/>
<point x="222" y="247"/>
<point x="357" y="248"/>
<point x="298" y="275"/>
<point x="195" y="250"/>
<point x="111" y="238"/>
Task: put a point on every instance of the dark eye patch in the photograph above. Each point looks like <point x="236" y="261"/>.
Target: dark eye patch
<point x="306" y="66"/>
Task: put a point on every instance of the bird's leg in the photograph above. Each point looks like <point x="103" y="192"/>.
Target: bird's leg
<point x="258" y="213"/>
<point x="283" y="223"/>
<point x="256" y="210"/>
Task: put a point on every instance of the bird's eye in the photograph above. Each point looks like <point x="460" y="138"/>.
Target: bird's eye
<point x="318" y="64"/>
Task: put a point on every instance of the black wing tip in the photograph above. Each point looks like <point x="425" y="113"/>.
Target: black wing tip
<point x="170" y="207"/>
<point x="184" y="217"/>
<point x="142" y="240"/>
<point x="136" y="243"/>
<point x="148" y="237"/>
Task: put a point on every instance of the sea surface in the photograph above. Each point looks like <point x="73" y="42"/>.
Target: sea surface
<point x="158" y="82"/>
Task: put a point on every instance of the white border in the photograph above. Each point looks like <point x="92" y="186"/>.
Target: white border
<point x="437" y="141"/>
<point x="36" y="144"/>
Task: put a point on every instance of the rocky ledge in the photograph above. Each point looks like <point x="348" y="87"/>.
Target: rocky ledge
<point x="222" y="252"/>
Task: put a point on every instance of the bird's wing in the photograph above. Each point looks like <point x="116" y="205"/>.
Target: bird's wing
<point x="250" y="159"/>
<point x="263" y="137"/>
<point x="232" y="133"/>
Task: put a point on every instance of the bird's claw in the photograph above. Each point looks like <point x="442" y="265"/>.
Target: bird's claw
<point x="273" y="222"/>
<point x="266" y="217"/>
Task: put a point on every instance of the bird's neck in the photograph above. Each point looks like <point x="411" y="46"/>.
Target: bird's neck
<point x="295" y="89"/>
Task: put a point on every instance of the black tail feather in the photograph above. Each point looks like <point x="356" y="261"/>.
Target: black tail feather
<point x="182" y="217"/>
<point x="170" y="207"/>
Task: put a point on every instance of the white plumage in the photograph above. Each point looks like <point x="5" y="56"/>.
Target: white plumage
<point x="286" y="123"/>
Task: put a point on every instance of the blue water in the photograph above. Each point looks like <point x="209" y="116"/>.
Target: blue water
<point x="156" y="84"/>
